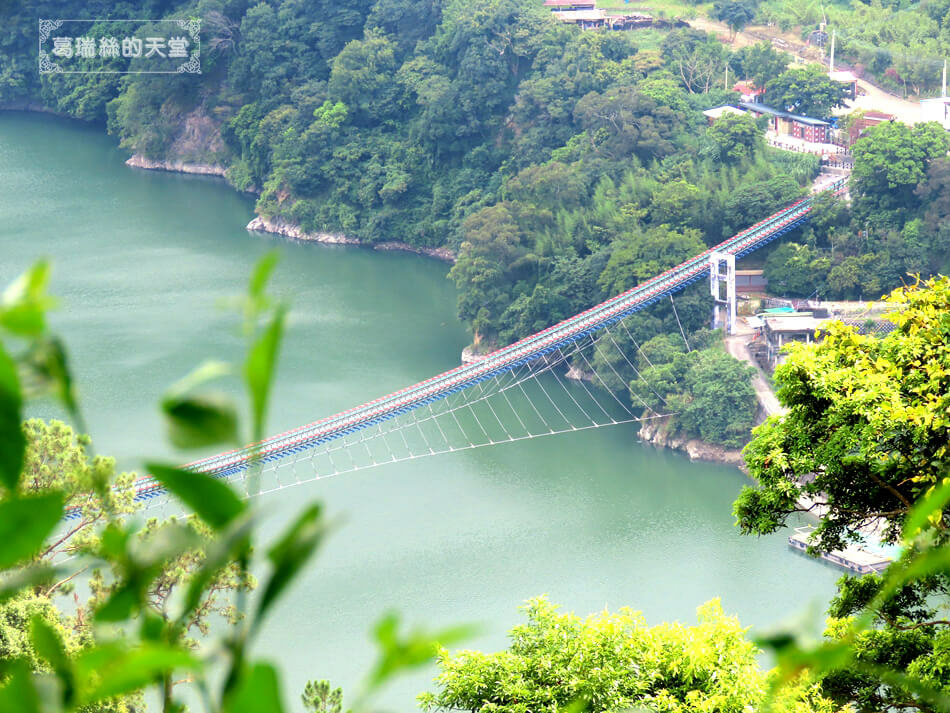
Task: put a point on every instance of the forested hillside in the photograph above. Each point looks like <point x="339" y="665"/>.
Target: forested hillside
<point x="561" y="165"/>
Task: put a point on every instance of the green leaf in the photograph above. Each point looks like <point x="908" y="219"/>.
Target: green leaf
<point x="260" y="366"/>
<point x="18" y="695"/>
<point x="417" y="649"/>
<point x="200" y="421"/>
<point x="15" y="581"/>
<point x="24" y="525"/>
<point x="25" y="302"/>
<point x="211" y="499"/>
<point x="257" y="691"/>
<point x="48" y="369"/>
<point x="12" y="440"/>
<point x="207" y="371"/>
<point x="261" y="275"/>
<point x="49" y="646"/>
<point x="114" y="669"/>
<point x="290" y="554"/>
<point x="124" y="600"/>
<point x="918" y="517"/>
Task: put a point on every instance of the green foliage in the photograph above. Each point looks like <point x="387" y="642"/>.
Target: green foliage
<point x="891" y="159"/>
<point x="708" y="390"/>
<point x="640" y="257"/>
<point x="761" y="62"/>
<point x="318" y="697"/>
<point x="866" y="437"/>
<point x="160" y="582"/>
<point x="440" y="123"/>
<point x="695" y="58"/>
<point x="608" y="662"/>
<point x="805" y="90"/>
<point x="735" y="13"/>
<point x="735" y="136"/>
<point x="798" y="271"/>
<point x="867" y="418"/>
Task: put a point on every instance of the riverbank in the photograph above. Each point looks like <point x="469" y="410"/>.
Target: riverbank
<point x="658" y="432"/>
<point x="285" y="228"/>
<point x="202" y="169"/>
<point x="279" y="226"/>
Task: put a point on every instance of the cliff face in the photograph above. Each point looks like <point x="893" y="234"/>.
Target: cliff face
<point x="659" y="432"/>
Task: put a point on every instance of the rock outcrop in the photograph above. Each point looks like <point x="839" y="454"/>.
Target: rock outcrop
<point x="658" y="432"/>
<point x="279" y="226"/>
<point x="204" y="169"/>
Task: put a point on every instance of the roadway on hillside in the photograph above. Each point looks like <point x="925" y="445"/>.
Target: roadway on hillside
<point x="875" y="98"/>
<point x="736" y="345"/>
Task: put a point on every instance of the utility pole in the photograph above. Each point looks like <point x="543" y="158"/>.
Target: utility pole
<point x="831" y="64"/>
<point x="726" y="83"/>
<point x="944" y="94"/>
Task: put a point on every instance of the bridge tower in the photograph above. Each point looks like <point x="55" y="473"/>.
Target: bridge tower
<point x="722" y="286"/>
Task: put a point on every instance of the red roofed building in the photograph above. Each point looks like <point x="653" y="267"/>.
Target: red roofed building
<point x="747" y="91"/>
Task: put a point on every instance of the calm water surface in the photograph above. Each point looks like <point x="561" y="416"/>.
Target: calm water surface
<point x="143" y="260"/>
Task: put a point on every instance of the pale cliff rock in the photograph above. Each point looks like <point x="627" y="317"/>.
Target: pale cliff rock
<point x="204" y="169"/>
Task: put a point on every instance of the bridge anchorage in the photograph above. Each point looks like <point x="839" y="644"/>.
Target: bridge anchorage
<point x="512" y="394"/>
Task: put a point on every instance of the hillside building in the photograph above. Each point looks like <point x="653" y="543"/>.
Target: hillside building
<point x="785" y="123"/>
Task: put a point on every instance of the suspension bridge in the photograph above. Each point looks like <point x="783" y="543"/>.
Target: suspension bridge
<point x="505" y="396"/>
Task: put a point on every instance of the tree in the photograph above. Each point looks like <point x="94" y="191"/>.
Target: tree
<point x="721" y="403"/>
<point x="891" y="159"/>
<point x="736" y="136"/>
<point x="698" y="59"/>
<point x="735" y="13"/>
<point x="318" y="697"/>
<point x="492" y="244"/>
<point x="678" y="204"/>
<point x="795" y="270"/>
<point x="633" y="123"/>
<point x="866" y="431"/>
<point x="749" y="203"/>
<point x="640" y="256"/>
<point x="610" y="662"/>
<point x="805" y="90"/>
<point x="363" y="77"/>
<point x="708" y="391"/>
<point x="761" y="62"/>
<point x="867" y="438"/>
<point x="934" y="193"/>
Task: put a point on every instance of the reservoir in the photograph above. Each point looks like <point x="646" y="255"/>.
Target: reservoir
<point x="142" y="262"/>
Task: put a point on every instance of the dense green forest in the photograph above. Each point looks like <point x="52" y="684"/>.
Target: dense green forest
<point x="560" y="165"/>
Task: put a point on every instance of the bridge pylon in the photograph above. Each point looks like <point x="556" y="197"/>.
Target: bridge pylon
<point x="722" y="287"/>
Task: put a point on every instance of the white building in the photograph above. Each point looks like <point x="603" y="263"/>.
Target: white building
<point x="936" y="109"/>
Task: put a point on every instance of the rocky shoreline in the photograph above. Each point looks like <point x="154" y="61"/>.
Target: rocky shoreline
<point x="656" y="432"/>
<point x="203" y="169"/>
<point x="279" y="226"/>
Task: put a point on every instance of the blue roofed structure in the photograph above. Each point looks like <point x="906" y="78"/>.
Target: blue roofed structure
<point x="788" y="124"/>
